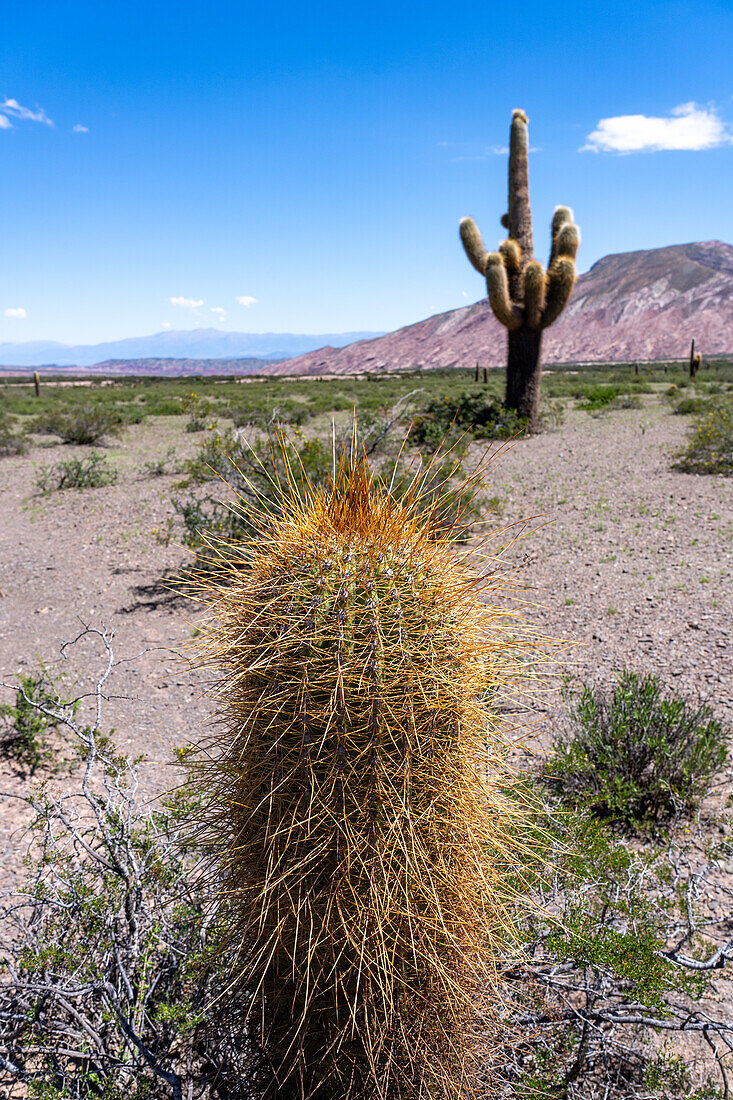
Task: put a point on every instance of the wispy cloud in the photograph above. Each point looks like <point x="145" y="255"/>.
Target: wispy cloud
<point x="194" y="304"/>
<point x="686" y="127"/>
<point x="17" y="312"/>
<point x="10" y="108"/>
<point x="79" y="129"/>
<point x="165" y="325"/>
<point x="221" y="313"/>
<point x="246" y="300"/>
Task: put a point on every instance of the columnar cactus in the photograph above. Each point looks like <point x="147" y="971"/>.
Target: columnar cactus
<point x="524" y="297"/>
<point x="356" y="790"/>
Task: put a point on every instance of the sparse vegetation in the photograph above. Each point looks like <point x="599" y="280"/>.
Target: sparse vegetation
<point x="709" y="449"/>
<point x="446" y="417"/>
<point x="85" y="425"/>
<point x="90" y="472"/>
<point x="636" y="753"/>
<point x="27" y="721"/>
<point x="12" y="441"/>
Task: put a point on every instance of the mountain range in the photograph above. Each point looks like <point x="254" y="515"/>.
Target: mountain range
<point x="644" y="306"/>
<point x="630" y="306"/>
<point x="198" y="343"/>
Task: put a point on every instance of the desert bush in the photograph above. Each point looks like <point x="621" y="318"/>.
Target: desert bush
<point x="709" y="448"/>
<point x="159" y="467"/>
<point x="83" y="424"/>
<point x="156" y="405"/>
<point x="635" y="753"/>
<point x="691" y="406"/>
<point x="108" y="961"/>
<point x="292" y="413"/>
<point x="91" y="472"/>
<point x="593" y="398"/>
<point x="27" y="721"/>
<point x="483" y="417"/>
<point x="12" y="441"/>
<point x="623" y="948"/>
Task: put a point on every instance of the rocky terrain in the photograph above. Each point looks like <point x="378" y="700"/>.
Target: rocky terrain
<point x="630" y="306"/>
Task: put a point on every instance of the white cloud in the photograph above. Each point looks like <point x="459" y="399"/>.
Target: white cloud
<point x="13" y="108"/>
<point x="687" y="127"/>
<point x="79" y="129"/>
<point x="19" y="314"/>
<point x="221" y="313"/>
<point x="246" y="300"/>
<point x="187" y="303"/>
<point x="165" y="324"/>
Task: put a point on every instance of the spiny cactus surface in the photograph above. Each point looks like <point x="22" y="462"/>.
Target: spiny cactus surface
<point x="362" y="838"/>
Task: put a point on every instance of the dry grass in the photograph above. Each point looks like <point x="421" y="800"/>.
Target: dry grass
<point x="363" y="824"/>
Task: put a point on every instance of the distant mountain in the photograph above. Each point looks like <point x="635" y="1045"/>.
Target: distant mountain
<point x="200" y="343"/>
<point x="632" y="305"/>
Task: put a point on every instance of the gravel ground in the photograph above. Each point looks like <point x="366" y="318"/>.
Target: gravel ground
<point x="623" y="556"/>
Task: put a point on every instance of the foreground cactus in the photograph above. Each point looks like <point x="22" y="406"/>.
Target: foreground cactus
<point x="523" y="297"/>
<point x="361" y="833"/>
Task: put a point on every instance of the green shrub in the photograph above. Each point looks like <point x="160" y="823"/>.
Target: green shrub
<point x="484" y="417"/>
<point x="636" y="754"/>
<point x="110" y="942"/>
<point x="159" y="467"/>
<point x="23" y="736"/>
<point x="709" y="448"/>
<point x="292" y="413"/>
<point x="85" y="424"/>
<point x="599" y="397"/>
<point x="91" y="472"/>
<point x="12" y="442"/>
<point x="691" y="406"/>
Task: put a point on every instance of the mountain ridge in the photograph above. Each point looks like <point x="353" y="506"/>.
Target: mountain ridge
<point x="644" y="305"/>
<point x="206" y="343"/>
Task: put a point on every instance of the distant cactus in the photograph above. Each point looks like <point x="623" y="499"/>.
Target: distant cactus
<point x="524" y="297"/>
<point x="695" y="360"/>
<point x="37" y="383"/>
<point x="356" y="792"/>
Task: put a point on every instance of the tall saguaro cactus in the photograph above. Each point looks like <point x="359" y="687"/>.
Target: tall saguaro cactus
<point x="524" y="297"/>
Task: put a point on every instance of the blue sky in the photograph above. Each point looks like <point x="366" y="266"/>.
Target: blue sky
<point x="160" y="161"/>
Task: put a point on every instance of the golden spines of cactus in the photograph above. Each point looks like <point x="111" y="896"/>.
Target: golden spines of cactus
<point x="497" y="284"/>
<point x="511" y="254"/>
<point x="560" y="281"/>
<point x="534" y="294"/>
<point x="360" y="830"/>
<point x="473" y="244"/>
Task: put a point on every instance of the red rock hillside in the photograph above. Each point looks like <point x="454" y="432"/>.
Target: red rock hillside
<point x="629" y="306"/>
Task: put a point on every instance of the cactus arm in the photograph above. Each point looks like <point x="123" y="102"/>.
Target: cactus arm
<point x="560" y="282"/>
<point x="511" y="254"/>
<point x="473" y="244"/>
<point x="497" y="284"/>
<point x="534" y="295"/>
<point x="562" y="215"/>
